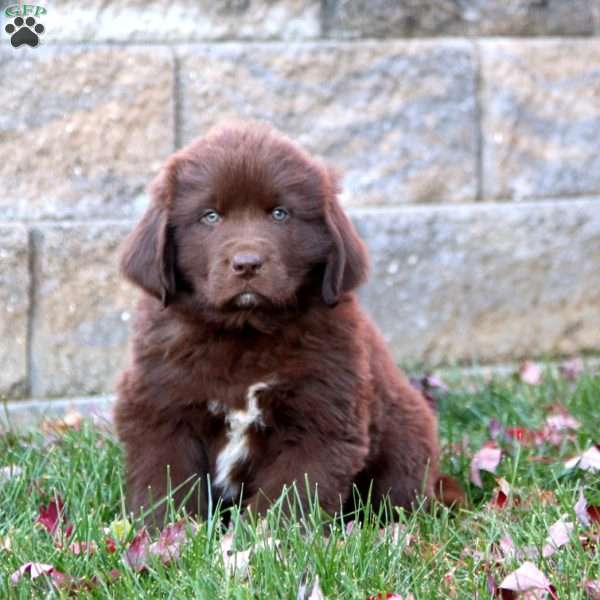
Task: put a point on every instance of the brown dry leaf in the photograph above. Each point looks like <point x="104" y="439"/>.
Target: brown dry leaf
<point x="72" y="419"/>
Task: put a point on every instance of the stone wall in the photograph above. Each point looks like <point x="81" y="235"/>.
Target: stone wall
<point x="471" y="163"/>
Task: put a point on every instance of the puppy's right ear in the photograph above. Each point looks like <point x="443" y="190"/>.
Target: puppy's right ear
<point x="148" y="256"/>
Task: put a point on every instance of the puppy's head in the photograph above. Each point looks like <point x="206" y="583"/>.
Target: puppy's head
<point x="243" y="222"/>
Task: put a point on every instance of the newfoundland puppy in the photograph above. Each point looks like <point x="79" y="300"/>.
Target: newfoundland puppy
<point x="253" y="365"/>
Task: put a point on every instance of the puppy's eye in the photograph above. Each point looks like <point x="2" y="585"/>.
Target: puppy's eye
<point x="280" y="214"/>
<point x="211" y="217"/>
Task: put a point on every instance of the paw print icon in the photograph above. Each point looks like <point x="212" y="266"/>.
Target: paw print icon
<point x="24" y="31"/>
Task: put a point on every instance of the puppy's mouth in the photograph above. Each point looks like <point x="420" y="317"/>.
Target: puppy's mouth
<point x="247" y="300"/>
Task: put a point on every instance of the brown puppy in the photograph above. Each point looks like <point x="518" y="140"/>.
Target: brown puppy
<point x="252" y="361"/>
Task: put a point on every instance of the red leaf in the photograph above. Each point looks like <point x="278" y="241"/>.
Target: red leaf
<point x="502" y="494"/>
<point x="168" y="546"/>
<point x="594" y="513"/>
<point x="50" y="516"/>
<point x="136" y="555"/>
<point x="485" y="459"/>
<point x="520" y="434"/>
<point x="53" y="518"/>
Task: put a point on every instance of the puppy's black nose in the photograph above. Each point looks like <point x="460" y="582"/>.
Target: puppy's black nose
<point x="246" y="264"/>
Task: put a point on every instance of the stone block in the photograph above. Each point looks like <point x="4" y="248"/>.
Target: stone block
<point x="14" y="310"/>
<point x="485" y="283"/>
<point x="83" y="129"/>
<point x="398" y="119"/>
<point x="82" y="309"/>
<point x="425" y="18"/>
<point x="541" y="122"/>
<point x="179" y="20"/>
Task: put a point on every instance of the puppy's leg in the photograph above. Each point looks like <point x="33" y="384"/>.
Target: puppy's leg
<point x="407" y="464"/>
<point x="160" y="459"/>
<point x="328" y="470"/>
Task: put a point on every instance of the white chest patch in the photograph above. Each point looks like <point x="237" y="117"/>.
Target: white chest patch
<point x="236" y="449"/>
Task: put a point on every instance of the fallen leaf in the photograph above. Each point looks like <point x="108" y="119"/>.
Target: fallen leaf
<point x="234" y="562"/>
<point x="485" y="459"/>
<point x="168" y="546"/>
<point x="522" y="435"/>
<point x="33" y="569"/>
<point x="10" y="472"/>
<point x="119" y="529"/>
<point x="530" y="372"/>
<point x="136" y="555"/>
<point x="433" y="382"/>
<point x="561" y="422"/>
<point x="507" y="547"/>
<point x="239" y="562"/>
<point x="72" y="420"/>
<point x="586" y="514"/>
<point x="526" y="578"/>
<point x="592" y="589"/>
<point x="572" y="369"/>
<point x="581" y="509"/>
<point x="53" y="518"/>
<point x="316" y="592"/>
<point x="503" y="495"/>
<point x="559" y="534"/>
<point x="588" y="461"/>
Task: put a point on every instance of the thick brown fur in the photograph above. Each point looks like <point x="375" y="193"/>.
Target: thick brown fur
<point x="332" y="404"/>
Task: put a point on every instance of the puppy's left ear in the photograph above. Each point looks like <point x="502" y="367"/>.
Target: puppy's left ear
<point x="148" y="254"/>
<point x="347" y="264"/>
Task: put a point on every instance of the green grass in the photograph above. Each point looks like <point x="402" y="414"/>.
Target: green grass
<point x="85" y="468"/>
